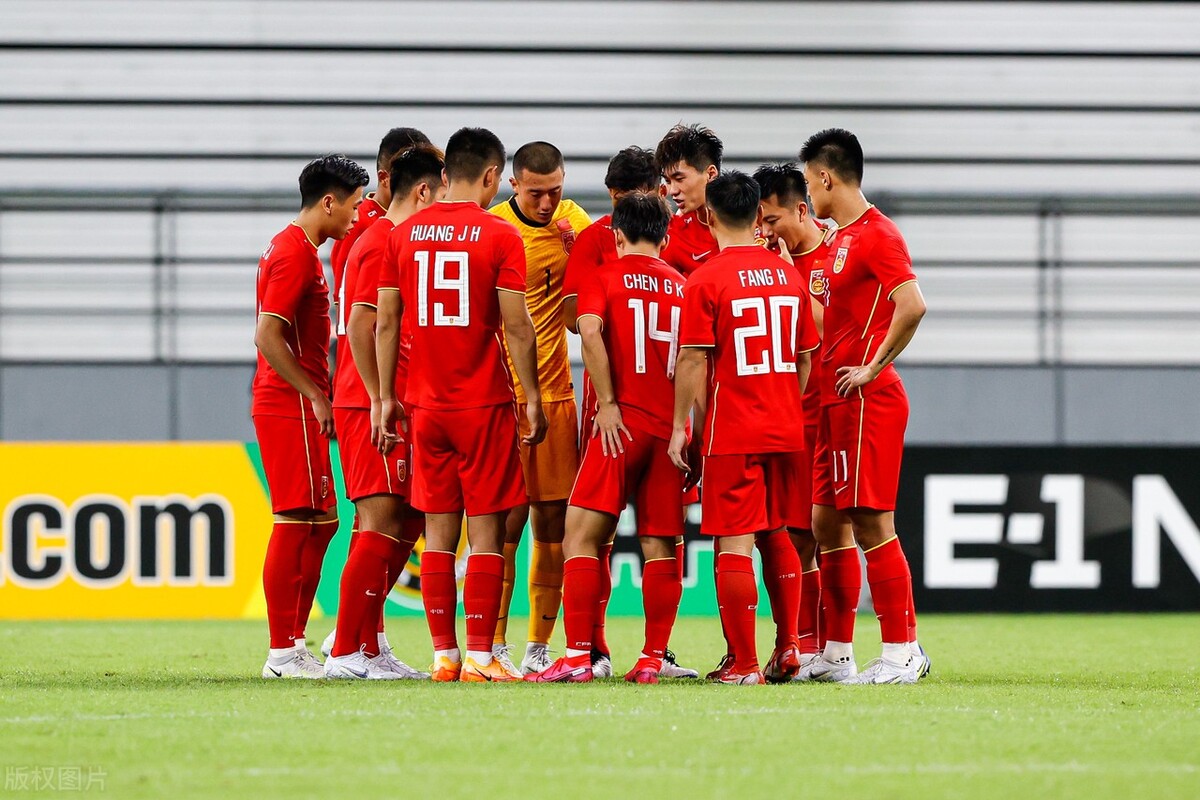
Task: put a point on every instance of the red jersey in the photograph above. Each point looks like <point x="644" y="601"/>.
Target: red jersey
<point x="812" y="265"/>
<point x="690" y="243"/>
<point x="451" y="259"/>
<point x="594" y="245"/>
<point x="870" y="261"/>
<point x="639" y="300"/>
<point x="369" y="211"/>
<point x="751" y="308"/>
<point x="360" y="286"/>
<point x="291" y="286"/>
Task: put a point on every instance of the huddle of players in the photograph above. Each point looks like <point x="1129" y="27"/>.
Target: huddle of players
<point x="684" y="318"/>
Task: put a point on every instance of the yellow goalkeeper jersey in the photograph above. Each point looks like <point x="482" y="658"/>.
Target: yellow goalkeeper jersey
<point x="546" y="250"/>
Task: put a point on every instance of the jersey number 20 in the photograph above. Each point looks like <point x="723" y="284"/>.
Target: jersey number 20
<point x="779" y="355"/>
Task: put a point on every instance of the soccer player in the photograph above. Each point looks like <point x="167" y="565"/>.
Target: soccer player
<point x="374" y="206"/>
<point x="462" y="274"/>
<point x="291" y="409"/>
<point x="872" y="310"/>
<point x="377" y="483"/>
<point x="548" y="225"/>
<point x="688" y="157"/>
<point x="629" y="313"/>
<point x="746" y="334"/>
<point x="789" y="227"/>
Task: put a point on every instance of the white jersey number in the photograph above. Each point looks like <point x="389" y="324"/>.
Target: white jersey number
<point x="641" y="330"/>
<point x="780" y="355"/>
<point x="442" y="318"/>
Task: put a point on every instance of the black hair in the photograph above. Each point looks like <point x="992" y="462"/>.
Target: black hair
<point x="412" y="165"/>
<point x="642" y="217"/>
<point x="633" y="169"/>
<point x="470" y="152"/>
<point x="733" y="197"/>
<point x="691" y="144"/>
<point x="396" y="140"/>
<point x="540" y="158"/>
<point x="330" y="174"/>
<point x="783" y="181"/>
<point x="837" y="150"/>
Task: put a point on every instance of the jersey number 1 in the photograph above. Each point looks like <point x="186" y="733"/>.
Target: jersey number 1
<point x="461" y="317"/>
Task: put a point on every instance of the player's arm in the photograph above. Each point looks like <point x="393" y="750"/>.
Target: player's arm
<point x="910" y="308"/>
<point x="270" y="340"/>
<point x="691" y="370"/>
<point x="522" y="347"/>
<point x="360" y="333"/>
<point x="608" y="423"/>
<point x="571" y="313"/>
<point x="387" y="351"/>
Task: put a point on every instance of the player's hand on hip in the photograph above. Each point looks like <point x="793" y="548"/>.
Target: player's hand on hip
<point x="851" y="378"/>
<point x="323" y="413"/>
<point x="537" y="423"/>
<point x="609" y="426"/>
<point x="676" y="448"/>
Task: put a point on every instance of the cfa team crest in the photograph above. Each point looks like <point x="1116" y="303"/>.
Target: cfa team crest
<point x="816" y="283"/>
<point x="839" y="262"/>
<point x="567" y="233"/>
<point x="401" y="470"/>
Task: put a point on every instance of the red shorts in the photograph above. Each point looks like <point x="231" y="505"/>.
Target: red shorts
<point x="643" y="473"/>
<point x="466" y="459"/>
<point x="860" y="443"/>
<point x="366" y="471"/>
<point x="804" y="484"/>
<point x="752" y="493"/>
<point x="295" y="458"/>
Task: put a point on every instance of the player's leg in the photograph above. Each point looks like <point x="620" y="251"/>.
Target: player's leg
<point x="514" y="529"/>
<point x="786" y="508"/>
<point x="295" y="477"/>
<point x="809" y="629"/>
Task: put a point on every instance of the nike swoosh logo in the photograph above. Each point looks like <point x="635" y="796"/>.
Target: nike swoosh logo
<point x="371" y="594"/>
<point x="549" y="619"/>
<point x="842" y="489"/>
<point x="698" y="256"/>
<point x="278" y="674"/>
<point x="362" y="674"/>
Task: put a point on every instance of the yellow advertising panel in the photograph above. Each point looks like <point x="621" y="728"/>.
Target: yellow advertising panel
<point x="131" y="531"/>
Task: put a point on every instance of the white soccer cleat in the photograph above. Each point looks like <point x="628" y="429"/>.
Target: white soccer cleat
<point x="823" y="671"/>
<point x="327" y="645"/>
<point x="537" y="658"/>
<point x="298" y="664"/>
<point x="357" y="666"/>
<point x="503" y="656"/>
<point x="671" y="668"/>
<point x="386" y="660"/>
<point x="601" y="665"/>
<point x="924" y="664"/>
<point x="880" y="671"/>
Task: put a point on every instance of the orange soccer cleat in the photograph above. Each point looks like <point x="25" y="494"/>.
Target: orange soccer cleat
<point x="492" y="672"/>
<point x="444" y="670"/>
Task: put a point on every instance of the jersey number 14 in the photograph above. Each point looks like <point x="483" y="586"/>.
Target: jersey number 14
<point x="642" y="329"/>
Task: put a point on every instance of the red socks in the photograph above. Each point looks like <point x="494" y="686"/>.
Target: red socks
<point x="481" y="598"/>
<point x="680" y="557"/>
<point x="398" y="559"/>
<point x="281" y="580"/>
<point x="891" y="588"/>
<point x="737" y="598"/>
<point x="912" y="611"/>
<point x="661" y="590"/>
<point x="364" y="589"/>
<point x="808" y="626"/>
<point x="583" y="580"/>
<point x="439" y="592"/>
<point x="841" y="585"/>
<point x="781" y="575"/>
<point x="599" y="641"/>
<point x="319" y="537"/>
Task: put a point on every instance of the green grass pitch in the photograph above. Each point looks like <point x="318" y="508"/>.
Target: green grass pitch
<point x="1017" y="707"/>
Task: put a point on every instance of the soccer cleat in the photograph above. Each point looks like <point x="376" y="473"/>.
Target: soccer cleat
<point x="723" y="666"/>
<point x="644" y="671"/>
<point x="294" y="666"/>
<point x="565" y="670"/>
<point x="502" y="654"/>
<point x="491" y="672"/>
<point x="357" y="666"/>
<point x="537" y="658"/>
<point x="387" y="660"/>
<point x="731" y="677"/>
<point x="924" y="664"/>
<point x="601" y="665"/>
<point x="671" y="669"/>
<point x="783" y="664"/>
<point x="444" y="670"/>
<point x="823" y="671"/>
<point x="327" y="645"/>
<point x="880" y="671"/>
